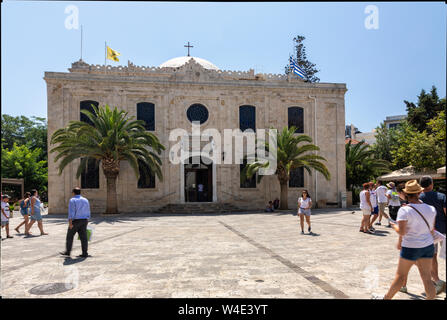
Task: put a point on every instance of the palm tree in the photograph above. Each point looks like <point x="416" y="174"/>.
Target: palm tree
<point x="362" y="165"/>
<point x="289" y="156"/>
<point x="110" y="138"/>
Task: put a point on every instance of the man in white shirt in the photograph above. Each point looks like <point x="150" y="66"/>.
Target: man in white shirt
<point x="393" y="200"/>
<point x="382" y="201"/>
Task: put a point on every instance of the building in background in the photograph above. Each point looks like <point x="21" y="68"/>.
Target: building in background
<point x="394" y="121"/>
<point x="368" y="137"/>
<point x="350" y="131"/>
<point x="353" y="134"/>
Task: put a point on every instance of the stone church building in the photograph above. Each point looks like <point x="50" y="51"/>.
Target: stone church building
<point x="187" y="89"/>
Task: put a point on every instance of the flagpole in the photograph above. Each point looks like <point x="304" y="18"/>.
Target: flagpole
<point x="105" y="56"/>
<point x="81" y="41"/>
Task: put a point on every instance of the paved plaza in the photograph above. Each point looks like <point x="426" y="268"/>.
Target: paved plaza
<point x="246" y="255"/>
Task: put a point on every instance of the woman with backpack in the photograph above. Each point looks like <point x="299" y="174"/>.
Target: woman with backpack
<point x="24" y="210"/>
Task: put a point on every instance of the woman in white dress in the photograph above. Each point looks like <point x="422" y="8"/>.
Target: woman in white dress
<point x="367" y="208"/>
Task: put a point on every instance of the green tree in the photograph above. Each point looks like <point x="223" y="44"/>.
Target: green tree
<point x="427" y="107"/>
<point x="362" y="165"/>
<point x="23" y="163"/>
<point x="387" y="141"/>
<point x="112" y="138"/>
<point x="300" y="57"/>
<point x="21" y="130"/>
<point x="290" y="155"/>
<point x="423" y="150"/>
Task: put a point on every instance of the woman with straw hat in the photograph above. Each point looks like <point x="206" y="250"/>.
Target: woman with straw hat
<point x="415" y="223"/>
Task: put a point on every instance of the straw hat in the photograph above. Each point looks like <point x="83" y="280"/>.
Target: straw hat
<point x="412" y="186"/>
<point x="390" y="185"/>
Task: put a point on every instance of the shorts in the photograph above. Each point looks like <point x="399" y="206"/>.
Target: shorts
<point x="382" y="206"/>
<point x="36" y="217"/>
<point x="376" y="210"/>
<point x="24" y="212"/>
<point x="366" y="212"/>
<point x="414" y="254"/>
<point x="5" y="223"/>
<point x="304" y="211"/>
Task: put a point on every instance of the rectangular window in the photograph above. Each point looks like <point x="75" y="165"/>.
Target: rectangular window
<point x="147" y="178"/>
<point x="90" y="177"/>
<point x="248" y="183"/>
<point x="296" y="179"/>
<point x="296" y="119"/>
<point x="247" y="118"/>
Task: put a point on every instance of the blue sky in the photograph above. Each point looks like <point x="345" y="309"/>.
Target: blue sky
<point x="381" y="68"/>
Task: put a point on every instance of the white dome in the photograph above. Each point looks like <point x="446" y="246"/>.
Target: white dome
<point x="180" y="61"/>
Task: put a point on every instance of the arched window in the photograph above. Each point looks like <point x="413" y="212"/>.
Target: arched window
<point x="146" y="112"/>
<point x="296" y="118"/>
<point x="87" y="105"/>
<point x="296" y="178"/>
<point x="90" y="175"/>
<point x="247" y="118"/>
<point x="147" y="177"/>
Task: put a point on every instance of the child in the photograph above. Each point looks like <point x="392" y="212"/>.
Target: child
<point x="269" y="207"/>
<point x="5" y="214"/>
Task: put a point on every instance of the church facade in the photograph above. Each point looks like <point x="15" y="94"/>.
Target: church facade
<point x="172" y="96"/>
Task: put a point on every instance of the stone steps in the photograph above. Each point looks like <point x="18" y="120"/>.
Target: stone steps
<point x="199" y="207"/>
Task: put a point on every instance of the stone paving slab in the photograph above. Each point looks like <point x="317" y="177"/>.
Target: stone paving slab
<point x="249" y="255"/>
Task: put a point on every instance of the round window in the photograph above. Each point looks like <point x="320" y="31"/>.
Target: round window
<point x="197" y="112"/>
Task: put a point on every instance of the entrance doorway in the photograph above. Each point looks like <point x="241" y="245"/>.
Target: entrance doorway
<point x="198" y="181"/>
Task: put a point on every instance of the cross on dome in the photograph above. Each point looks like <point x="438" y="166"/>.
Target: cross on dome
<point x="188" y="46"/>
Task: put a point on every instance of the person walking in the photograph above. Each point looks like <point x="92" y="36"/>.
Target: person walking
<point x="35" y="214"/>
<point x="438" y="201"/>
<point x="78" y="215"/>
<point x="24" y="211"/>
<point x="366" y="206"/>
<point x="5" y="215"/>
<point x="415" y="223"/>
<point x="373" y="200"/>
<point x="393" y="200"/>
<point x="304" y="207"/>
<point x="382" y="201"/>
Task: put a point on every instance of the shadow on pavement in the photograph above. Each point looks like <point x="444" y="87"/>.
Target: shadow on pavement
<point x="380" y="233"/>
<point x="415" y="296"/>
<point x="69" y="261"/>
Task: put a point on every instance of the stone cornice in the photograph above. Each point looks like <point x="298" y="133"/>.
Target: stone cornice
<point x="190" y="73"/>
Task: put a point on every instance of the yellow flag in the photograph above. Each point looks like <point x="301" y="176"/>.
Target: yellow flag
<point x="112" y="54"/>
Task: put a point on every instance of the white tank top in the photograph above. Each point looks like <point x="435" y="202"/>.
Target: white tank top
<point x="363" y="203"/>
